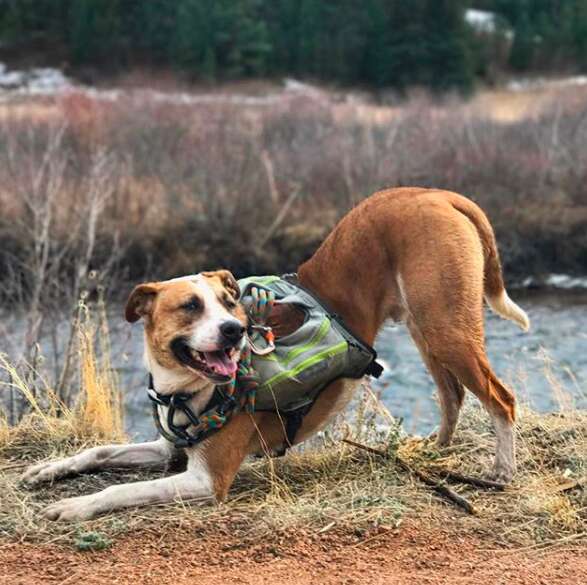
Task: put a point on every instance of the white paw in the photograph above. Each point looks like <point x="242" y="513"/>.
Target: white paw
<point x="48" y="471"/>
<point x="502" y="473"/>
<point x="73" y="509"/>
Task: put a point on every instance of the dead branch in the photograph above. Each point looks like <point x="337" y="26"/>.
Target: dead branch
<point x="269" y="170"/>
<point x="476" y="481"/>
<point x="437" y="486"/>
<point x="280" y="217"/>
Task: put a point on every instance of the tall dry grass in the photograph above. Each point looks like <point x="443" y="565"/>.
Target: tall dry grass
<point x="92" y="413"/>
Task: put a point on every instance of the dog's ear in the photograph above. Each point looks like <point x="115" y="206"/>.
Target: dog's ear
<point x="228" y="281"/>
<point x="140" y="301"/>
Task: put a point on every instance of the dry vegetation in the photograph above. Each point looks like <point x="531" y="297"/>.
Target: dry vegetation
<point x="48" y="418"/>
<point x="330" y="485"/>
<point x="98" y="189"/>
<point x="138" y="185"/>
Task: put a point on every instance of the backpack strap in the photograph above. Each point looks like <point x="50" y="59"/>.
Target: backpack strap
<point x="293" y="422"/>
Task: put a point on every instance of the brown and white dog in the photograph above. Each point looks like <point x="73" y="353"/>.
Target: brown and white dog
<point x="422" y="256"/>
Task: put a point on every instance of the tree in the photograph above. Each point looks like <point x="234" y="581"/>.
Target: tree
<point x="580" y="34"/>
<point x="217" y="38"/>
<point x="524" y="36"/>
<point x="428" y="46"/>
<point x="377" y="56"/>
<point x="95" y="31"/>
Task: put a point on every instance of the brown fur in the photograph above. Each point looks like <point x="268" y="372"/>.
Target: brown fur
<point x="223" y="282"/>
<point x="285" y="319"/>
<point x="424" y="256"/>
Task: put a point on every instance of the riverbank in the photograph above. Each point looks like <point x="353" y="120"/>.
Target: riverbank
<point x="289" y="519"/>
<point x="364" y="500"/>
<point x="330" y="483"/>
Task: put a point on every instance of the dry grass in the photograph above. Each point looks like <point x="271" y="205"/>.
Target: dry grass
<point x="50" y="423"/>
<point x="332" y="485"/>
<point x="100" y="407"/>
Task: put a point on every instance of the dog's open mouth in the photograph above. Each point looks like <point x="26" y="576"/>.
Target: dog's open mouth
<point x="219" y="365"/>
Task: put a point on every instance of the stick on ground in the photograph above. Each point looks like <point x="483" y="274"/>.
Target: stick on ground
<point x="437" y="486"/>
<point x="476" y="481"/>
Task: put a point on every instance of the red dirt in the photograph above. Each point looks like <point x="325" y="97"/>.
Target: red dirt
<point x="410" y="554"/>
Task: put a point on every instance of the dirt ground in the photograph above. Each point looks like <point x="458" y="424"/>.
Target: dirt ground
<point x="411" y="553"/>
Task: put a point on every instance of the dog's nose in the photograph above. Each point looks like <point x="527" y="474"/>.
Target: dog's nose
<point x="232" y="331"/>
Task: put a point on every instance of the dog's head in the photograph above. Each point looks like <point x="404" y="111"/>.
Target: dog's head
<point x="194" y="323"/>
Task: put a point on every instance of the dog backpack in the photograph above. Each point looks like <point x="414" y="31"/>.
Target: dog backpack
<point x="304" y="361"/>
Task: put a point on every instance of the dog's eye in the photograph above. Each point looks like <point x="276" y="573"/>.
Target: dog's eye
<point x="229" y="302"/>
<point x="193" y="304"/>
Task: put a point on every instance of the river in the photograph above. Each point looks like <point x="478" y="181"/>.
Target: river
<point x="546" y="367"/>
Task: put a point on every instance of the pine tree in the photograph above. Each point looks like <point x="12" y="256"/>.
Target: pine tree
<point x="449" y="54"/>
<point x="428" y="46"/>
<point x="216" y="38"/>
<point x="580" y="34"/>
<point x="282" y="18"/>
<point x="309" y="57"/>
<point x="95" y="31"/>
<point x="523" y="45"/>
<point x="151" y="25"/>
<point x="377" y="50"/>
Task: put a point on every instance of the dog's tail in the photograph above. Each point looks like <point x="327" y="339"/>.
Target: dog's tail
<point x="495" y="292"/>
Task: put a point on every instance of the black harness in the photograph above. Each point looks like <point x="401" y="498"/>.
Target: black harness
<point x="220" y="403"/>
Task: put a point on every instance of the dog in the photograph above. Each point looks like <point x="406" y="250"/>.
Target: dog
<point x="422" y="256"/>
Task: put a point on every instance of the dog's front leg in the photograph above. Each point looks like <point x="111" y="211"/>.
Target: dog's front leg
<point x="154" y="453"/>
<point x="195" y="483"/>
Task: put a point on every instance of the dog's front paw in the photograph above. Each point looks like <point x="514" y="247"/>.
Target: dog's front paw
<point x="73" y="509"/>
<point x="47" y="471"/>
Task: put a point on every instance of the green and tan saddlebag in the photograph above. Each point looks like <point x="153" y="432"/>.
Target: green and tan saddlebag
<point x="320" y="350"/>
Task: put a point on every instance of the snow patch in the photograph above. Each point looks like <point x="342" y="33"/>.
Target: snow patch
<point x="481" y="20"/>
<point x="526" y="84"/>
<point x="37" y="81"/>
<point x="52" y="82"/>
<point x="562" y="281"/>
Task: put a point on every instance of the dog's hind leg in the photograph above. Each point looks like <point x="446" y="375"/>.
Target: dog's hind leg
<point x="474" y="371"/>
<point x="443" y="299"/>
<point x="458" y="359"/>
<point x="451" y="392"/>
<point x="153" y="454"/>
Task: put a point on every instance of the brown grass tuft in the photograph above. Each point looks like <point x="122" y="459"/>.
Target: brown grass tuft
<point x="50" y="425"/>
<point x="99" y="412"/>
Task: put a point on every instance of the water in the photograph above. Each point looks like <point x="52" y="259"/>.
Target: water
<point x="546" y="367"/>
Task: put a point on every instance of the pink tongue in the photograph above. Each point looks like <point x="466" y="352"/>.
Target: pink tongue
<point x="220" y="363"/>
